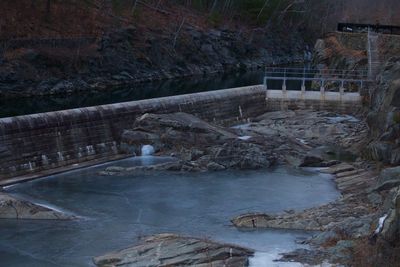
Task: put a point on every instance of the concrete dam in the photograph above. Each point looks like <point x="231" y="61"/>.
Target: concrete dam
<point x="36" y="145"/>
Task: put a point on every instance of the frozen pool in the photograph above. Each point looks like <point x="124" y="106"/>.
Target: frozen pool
<point x="116" y="211"/>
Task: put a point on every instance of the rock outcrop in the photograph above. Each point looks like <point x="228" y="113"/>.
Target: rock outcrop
<point x="341" y="51"/>
<point x="342" y="221"/>
<point x="172" y="250"/>
<point x="166" y="131"/>
<point x="13" y="208"/>
<point x="384" y="117"/>
<point x="197" y="144"/>
<point x="390" y="228"/>
<point x="126" y="55"/>
<point x="350" y="213"/>
<point x="300" y="138"/>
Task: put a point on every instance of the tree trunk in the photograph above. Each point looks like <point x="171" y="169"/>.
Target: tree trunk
<point x="48" y="10"/>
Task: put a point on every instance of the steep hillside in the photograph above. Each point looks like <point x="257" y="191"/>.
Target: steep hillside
<point x="57" y="47"/>
<point x="70" y="47"/>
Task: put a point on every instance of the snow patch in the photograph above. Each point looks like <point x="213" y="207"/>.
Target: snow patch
<point x="263" y="259"/>
<point x="301" y="141"/>
<point x="242" y="126"/>
<point x="345" y="118"/>
<point x="246" y="137"/>
<point x="380" y="224"/>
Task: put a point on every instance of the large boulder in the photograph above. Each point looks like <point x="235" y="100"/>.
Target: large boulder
<point x="173" y="250"/>
<point x="172" y="132"/>
<point x="390" y="223"/>
<point x="182" y="122"/>
<point x="13" y="208"/>
<point x="241" y="155"/>
<point x="389" y="178"/>
<point x="133" y="140"/>
<point x="390" y="174"/>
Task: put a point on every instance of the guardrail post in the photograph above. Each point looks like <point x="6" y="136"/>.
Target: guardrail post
<point x="284" y="81"/>
<point x="322" y="89"/>
<point x="341" y="90"/>
<point x="265" y="83"/>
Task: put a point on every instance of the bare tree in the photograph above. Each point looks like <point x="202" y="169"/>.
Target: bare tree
<point x="177" y="32"/>
<point x="48" y="10"/>
<point x="262" y="9"/>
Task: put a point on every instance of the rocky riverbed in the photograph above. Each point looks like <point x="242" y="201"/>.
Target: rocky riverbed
<point x="301" y="138"/>
<point x="367" y="209"/>
<point x="361" y="228"/>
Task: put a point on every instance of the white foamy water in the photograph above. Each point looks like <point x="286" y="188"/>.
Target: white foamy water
<point x="380" y="224"/>
<point x="147" y="150"/>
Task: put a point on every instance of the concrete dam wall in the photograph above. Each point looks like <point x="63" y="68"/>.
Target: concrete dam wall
<point x="35" y="145"/>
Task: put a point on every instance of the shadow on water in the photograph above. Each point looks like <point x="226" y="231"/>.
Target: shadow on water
<point x="187" y="85"/>
<point x="22" y="106"/>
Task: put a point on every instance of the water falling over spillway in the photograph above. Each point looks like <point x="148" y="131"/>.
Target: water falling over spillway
<point x="147" y="150"/>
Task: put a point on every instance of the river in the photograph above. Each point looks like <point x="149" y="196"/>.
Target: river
<point x="30" y="105"/>
<point x="116" y="211"/>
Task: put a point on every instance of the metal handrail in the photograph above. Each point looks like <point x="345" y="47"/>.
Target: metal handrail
<point x="285" y="72"/>
<point x="324" y="73"/>
<point x="288" y="70"/>
<point x="293" y="68"/>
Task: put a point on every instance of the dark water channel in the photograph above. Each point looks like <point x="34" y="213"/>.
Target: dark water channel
<point x="22" y="106"/>
<point x="31" y="105"/>
<point x="118" y="210"/>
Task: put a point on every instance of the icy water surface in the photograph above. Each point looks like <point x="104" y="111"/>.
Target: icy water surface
<point x="118" y="210"/>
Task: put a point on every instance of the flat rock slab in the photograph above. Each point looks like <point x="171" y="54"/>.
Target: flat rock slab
<point x="172" y="250"/>
<point x="13" y="208"/>
<point x="344" y="167"/>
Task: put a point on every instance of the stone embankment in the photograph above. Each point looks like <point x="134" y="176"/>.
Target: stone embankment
<point x="41" y="144"/>
<point x="33" y="144"/>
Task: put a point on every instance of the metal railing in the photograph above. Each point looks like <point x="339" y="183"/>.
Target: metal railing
<point x="315" y="79"/>
<point x="328" y="74"/>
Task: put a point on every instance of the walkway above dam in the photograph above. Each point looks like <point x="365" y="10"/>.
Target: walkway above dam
<point x="313" y="84"/>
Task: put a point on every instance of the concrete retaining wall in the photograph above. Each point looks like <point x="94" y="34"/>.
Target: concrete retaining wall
<point x="39" y="144"/>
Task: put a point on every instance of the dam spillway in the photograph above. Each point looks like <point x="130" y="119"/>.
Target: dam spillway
<point x="35" y="145"/>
